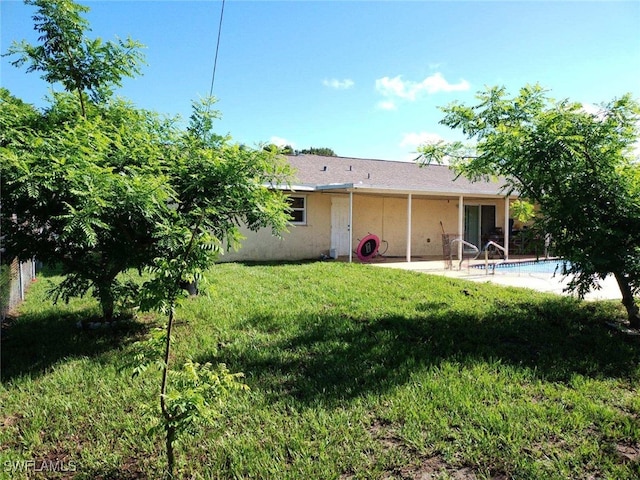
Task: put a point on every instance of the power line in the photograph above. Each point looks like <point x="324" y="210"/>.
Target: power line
<point x="215" y="60"/>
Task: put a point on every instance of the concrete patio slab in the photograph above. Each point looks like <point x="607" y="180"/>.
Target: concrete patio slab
<point x="542" y="282"/>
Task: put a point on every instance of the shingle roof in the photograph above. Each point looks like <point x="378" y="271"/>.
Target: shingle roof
<point x="319" y="171"/>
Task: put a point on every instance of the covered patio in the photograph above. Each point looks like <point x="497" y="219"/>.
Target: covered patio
<point x="416" y="217"/>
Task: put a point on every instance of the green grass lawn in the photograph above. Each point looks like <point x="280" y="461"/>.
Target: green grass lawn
<point x="354" y="371"/>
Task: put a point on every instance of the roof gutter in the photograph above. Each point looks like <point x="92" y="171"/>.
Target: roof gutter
<point x="397" y="191"/>
<point x="385" y="190"/>
<point x="335" y="186"/>
<point x="294" y="188"/>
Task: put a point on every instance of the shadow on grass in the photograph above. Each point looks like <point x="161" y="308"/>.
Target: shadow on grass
<point x="337" y="357"/>
<point x="276" y="263"/>
<point x="33" y="343"/>
<point x="48" y="271"/>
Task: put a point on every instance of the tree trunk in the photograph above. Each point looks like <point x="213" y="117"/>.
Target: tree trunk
<point x="171" y="459"/>
<point x="107" y="301"/>
<point x="170" y="428"/>
<point x="190" y="287"/>
<point x="628" y="301"/>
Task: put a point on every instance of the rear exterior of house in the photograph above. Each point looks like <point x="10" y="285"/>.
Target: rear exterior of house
<point x="337" y="201"/>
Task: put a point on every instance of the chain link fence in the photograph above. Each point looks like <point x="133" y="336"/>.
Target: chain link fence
<point x="14" y="280"/>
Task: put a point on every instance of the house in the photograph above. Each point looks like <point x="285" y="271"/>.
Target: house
<point x="337" y="202"/>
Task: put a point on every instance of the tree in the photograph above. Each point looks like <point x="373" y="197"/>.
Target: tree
<point x="118" y="187"/>
<point x="578" y="167"/>
<point x="326" y="152"/>
<point x="66" y="55"/>
<point x="87" y="192"/>
<point x="217" y="187"/>
<point x="281" y="149"/>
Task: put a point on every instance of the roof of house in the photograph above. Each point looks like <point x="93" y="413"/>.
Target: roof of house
<point x="315" y="172"/>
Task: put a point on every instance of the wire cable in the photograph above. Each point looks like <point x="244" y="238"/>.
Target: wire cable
<point x="215" y="60"/>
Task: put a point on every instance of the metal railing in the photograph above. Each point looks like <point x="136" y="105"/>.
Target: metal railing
<point x="477" y="251"/>
<point x="463" y="242"/>
<point x="491" y="243"/>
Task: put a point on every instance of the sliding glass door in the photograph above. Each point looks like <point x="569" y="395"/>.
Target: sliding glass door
<point x="472" y="225"/>
<point x="479" y="222"/>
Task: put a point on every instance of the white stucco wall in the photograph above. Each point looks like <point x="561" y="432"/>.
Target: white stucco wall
<point x="384" y="216"/>
<point x="299" y="243"/>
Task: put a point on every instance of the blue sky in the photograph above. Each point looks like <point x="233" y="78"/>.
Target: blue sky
<point x="364" y="78"/>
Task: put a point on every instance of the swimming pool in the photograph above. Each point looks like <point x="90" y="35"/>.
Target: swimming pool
<point x="540" y="266"/>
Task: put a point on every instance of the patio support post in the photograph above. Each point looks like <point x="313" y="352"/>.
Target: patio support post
<point x="506" y="227"/>
<point x="409" y="228"/>
<point x="460" y="224"/>
<point x="350" y="227"/>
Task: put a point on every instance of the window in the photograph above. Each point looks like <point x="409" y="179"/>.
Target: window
<point x="298" y="210"/>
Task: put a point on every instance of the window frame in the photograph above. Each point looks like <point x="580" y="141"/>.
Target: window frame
<point x="302" y="209"/>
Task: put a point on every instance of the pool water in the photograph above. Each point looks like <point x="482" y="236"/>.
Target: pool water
<point x="542" y="266"/>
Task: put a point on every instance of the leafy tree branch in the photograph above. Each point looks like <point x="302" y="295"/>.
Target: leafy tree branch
<point x="579" y="168"/>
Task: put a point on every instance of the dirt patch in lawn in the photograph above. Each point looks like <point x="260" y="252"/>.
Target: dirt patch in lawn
<point x="420" y="467"/>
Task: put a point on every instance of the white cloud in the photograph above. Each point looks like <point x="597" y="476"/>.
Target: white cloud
<point x="281" y="142"/>
<point x="591" y="108"/>
<point x="415" y="139"/>
<point x="410" y="90"/>
<point x="598" y="112"/>
<point x="339" y="84"/>
<point x="387" y="105"/>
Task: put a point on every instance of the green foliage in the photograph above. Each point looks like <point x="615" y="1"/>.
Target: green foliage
<point x="198" y="393"/>
<point x="289" y="150"/>
<point x="522" y="210"/>
<point x="148" y="352"/>
<point x="217" y="187"/>
<point x="86" y="190"/>
<point x="67" y="56"/>
<point x="326" y="152"/>
<point x="282" y="150"/>
<point x="578" y="167"/>
<point x="191" y="397"/>
<point x="120" y="187"/>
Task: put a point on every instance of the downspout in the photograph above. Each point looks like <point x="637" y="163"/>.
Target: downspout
<point x="460" y="224"/>
<point x="506" y="227"/>
<point x="409" y="228"/>
<point x="350" y="227"/>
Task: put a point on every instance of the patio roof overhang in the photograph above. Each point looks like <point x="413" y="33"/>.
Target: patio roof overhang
<point x="351" y="188"/>
<point x="395" y="191"/>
